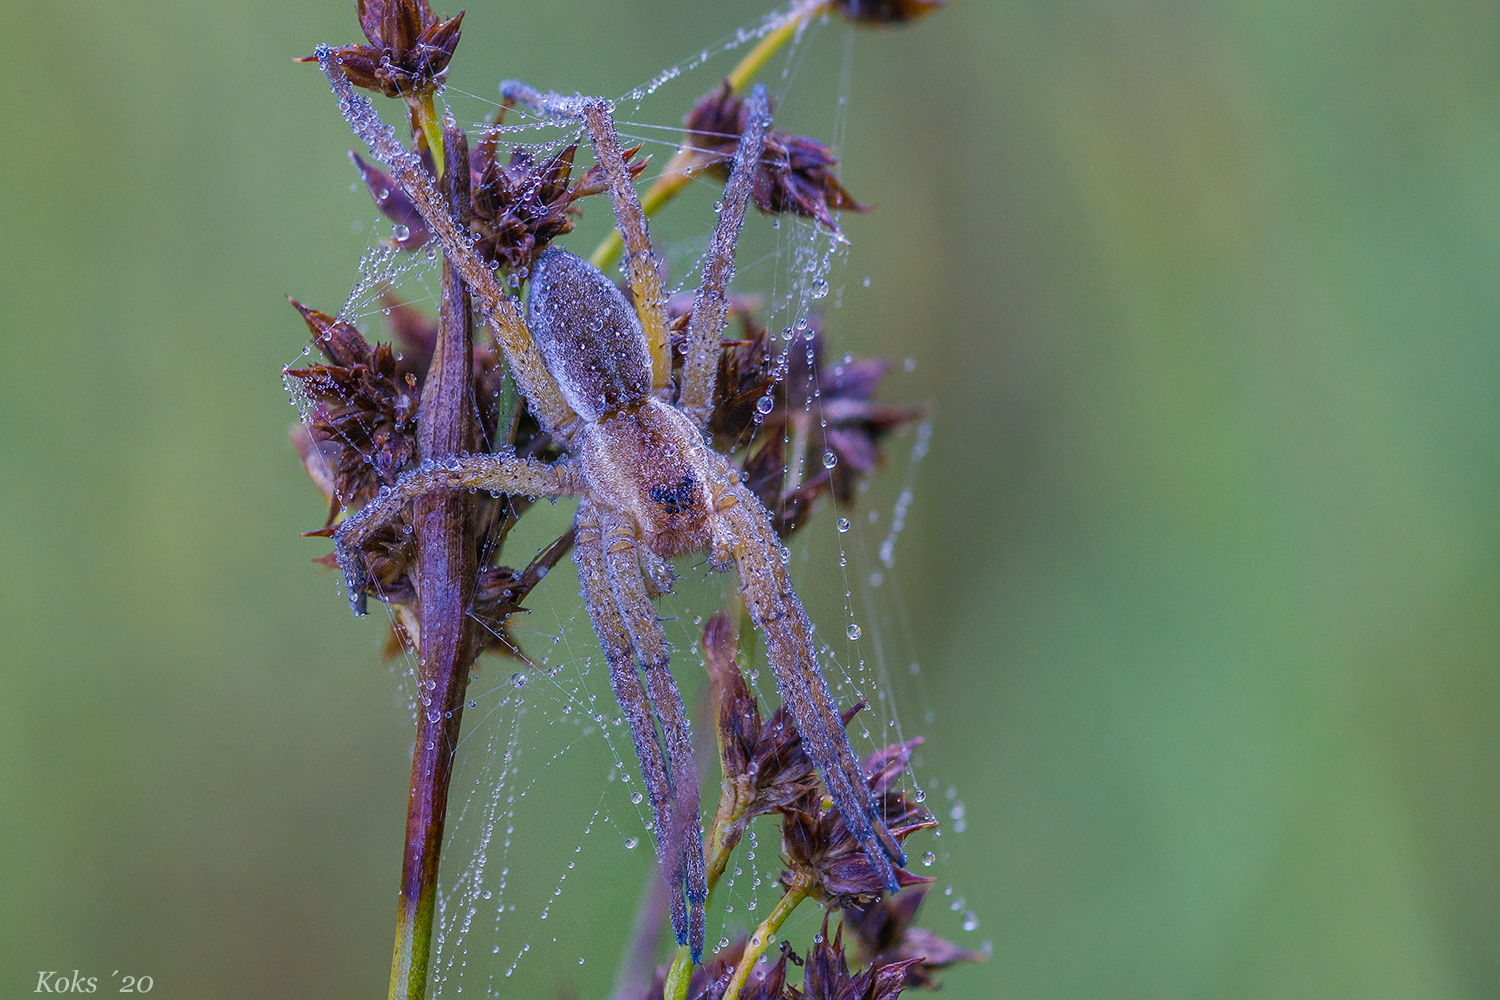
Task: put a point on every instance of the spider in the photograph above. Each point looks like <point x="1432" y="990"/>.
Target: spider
<point x="597" y="372"/>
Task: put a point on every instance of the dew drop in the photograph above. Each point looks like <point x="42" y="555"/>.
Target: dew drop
<point x="631" y="842"/>
<point x="830" y="460"/>
<point x="852" y="631"/>
<point x="843" y="524"/>
<point x="971" y="922"/>
<point x="518" y="679"/>
<point x="636" y="797"/>
<point x="819" y="289"/>
<point x="928" y="859"/>
<point x="401" y="233"/>
<point x="765" y="404"/>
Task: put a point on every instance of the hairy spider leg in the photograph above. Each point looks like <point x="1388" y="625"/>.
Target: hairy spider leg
<point x="625" y="681"/>
<point x="501" y="473"/>
<point x="746" y="534"/>
<point x="700" y="368"/>
<point x="499" y="309"/>
<point x="633" y="605"/>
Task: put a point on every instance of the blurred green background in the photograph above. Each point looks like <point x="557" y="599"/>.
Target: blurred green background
<point x="1203" y="565"/>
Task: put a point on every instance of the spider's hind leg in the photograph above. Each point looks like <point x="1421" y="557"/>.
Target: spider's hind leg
<point x="625" y="622"/>
<point x="779" y="616"/>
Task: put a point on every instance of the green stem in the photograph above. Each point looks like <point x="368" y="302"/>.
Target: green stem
<point x="680" y="975"/>
<point x="424" y="117"/>
<point x="763" y="936"/>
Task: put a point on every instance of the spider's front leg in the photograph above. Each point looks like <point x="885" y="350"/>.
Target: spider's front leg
<point x="744" y="532"/>
<point x="500" y="473"/>
<point x="625" y="622"/>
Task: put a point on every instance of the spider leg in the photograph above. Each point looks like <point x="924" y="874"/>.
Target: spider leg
<point x="640" y="259"/>
<point x="710" y="306"/>
<point x="628" y="585"/>
<point x="779" y="615"/>
<point x="628" y="631"/>
<point x="499" y="309"/>
<point x="499" y="473"/>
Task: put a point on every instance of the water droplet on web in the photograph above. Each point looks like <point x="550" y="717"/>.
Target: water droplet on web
<point x="400" y="232"/>
<point x="920" y="795"/>
<point x="723" y="943"/>
<point x="843" y="524"/>
<point x="819" y="289"/>
<point x="631" y="842"/>
<point x="518" y="679"/>
<point x="765" y="404"/>
<point x="830" y="459"/>
<point x="928" y="859"/>
<point x="971" y="922"/>
<point x="636" y="797"/>
<point x="852" y="632"/>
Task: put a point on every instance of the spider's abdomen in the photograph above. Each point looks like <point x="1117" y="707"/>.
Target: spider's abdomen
<point x="588" y="334"/>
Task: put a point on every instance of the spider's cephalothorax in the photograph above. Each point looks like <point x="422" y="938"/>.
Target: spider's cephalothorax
<point x="596" y="371"/>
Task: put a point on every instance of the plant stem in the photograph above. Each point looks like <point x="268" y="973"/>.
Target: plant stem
<point x="425" y="120"/>
<point x="763" y="936"/>
<point x="680" y="975"/>
<point x="446" y="642"/>
<point x="688" y="161"/>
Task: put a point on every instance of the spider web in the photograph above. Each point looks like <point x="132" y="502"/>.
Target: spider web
<point x="549" y="841"/>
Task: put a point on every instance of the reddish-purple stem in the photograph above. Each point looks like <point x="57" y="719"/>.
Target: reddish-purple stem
<point x="446" y="573"/>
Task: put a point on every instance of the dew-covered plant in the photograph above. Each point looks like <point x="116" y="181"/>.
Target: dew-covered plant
<point x="442" y="445"/>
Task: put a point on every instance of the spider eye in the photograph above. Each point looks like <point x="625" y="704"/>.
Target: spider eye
<point x="676" y="497"/>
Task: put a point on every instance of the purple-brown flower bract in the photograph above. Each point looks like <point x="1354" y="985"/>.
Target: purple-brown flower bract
<point x="409" y="48"/>
<point x="823" y="855"/>
<point x="886" y="11"/>
<point x="884" y="932"/>
<point x="795" y="174"/>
